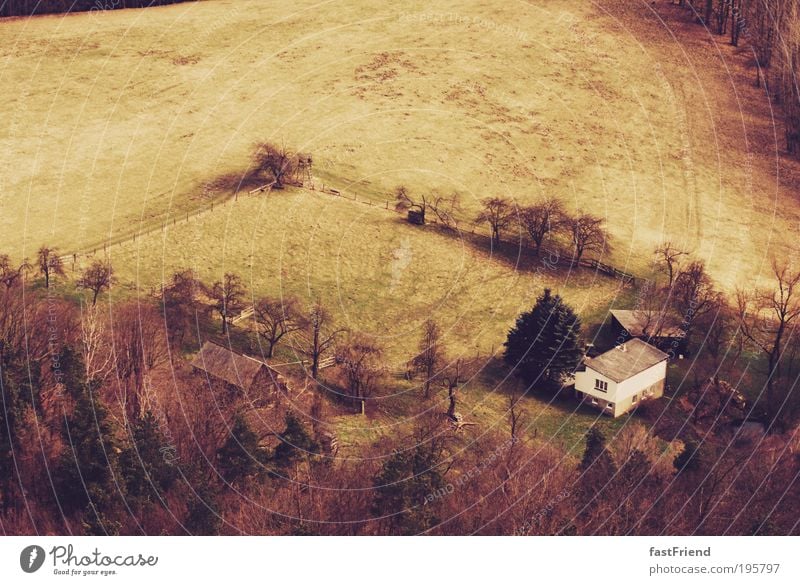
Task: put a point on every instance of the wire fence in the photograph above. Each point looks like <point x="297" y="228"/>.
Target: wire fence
<point x="388" y="205"/>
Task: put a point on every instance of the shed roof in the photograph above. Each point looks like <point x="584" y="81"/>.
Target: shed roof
<point x="226" y="365"/>
<point x="626" y="360"/>
<point x="635" y="322"/>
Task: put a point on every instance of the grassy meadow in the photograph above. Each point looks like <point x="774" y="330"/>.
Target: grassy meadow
<point x="120" y="122"/>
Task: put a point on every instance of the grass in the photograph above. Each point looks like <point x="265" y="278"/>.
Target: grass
<point x="117" y="122"/>
<point x="375" y="272"/>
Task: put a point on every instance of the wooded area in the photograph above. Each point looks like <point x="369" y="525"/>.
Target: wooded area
<point x="31" y="7"/>
<point x="772" y="29"/>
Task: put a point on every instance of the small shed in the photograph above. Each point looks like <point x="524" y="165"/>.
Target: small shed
<point x="621" y="378"/>
<point x="662" y="331"/>
<point x="238" y="371"/>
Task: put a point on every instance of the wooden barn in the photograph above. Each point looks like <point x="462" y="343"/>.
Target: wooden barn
<point x="238" y="372"/>
<point x="662" y="331"/>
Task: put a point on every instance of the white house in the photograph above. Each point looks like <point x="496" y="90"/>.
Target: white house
<point x="619" y="379"/>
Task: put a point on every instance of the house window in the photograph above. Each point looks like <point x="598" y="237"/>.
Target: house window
<point x="610" y="406"/>
<point x="594" y="401"/>
<point x="635" y="398"/>
<point x="600" y="385"/>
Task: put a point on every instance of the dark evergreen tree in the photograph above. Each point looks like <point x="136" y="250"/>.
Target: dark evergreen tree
<point x="10" y="419"/>
<point x="689" y="459"/>
<point x="406" y="490"/>
<point x="295" y="444"/>
<point x="202" y="517"/>
<point x="71" y="371"/>
<point x="85" y="474"/>
<point x="241" y="457"/>
<point x="146" y="465"/>
<point x="544" y="343"/>
<point x="597" y="467"/>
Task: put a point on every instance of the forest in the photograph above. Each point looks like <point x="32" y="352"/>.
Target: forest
<point x="771" y="29"/>
<point x="34" y="7"/>
<point x="109" y="429"/>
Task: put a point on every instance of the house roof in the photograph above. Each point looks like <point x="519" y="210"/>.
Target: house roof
<point x="635" y="322"/>
<point x="626" y="360"/>
<point x="226" y="365"/>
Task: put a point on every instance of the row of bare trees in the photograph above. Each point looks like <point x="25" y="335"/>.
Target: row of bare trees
<point x="544" y="221"/>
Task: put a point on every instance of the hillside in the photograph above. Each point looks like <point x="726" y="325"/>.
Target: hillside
<point x="126" y="117"/>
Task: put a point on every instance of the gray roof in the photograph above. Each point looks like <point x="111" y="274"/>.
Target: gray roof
<point x="226" y="365"/>
<point x="635" y="322"/>
<point x="626" y="360"/>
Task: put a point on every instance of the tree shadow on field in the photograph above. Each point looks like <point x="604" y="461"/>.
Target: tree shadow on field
<point x="513" y="252"/>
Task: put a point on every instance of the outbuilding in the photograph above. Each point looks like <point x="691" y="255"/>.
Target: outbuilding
<point x="661" y="330"/>
<point x="620" y="379"/>
<point x="238" y="372"/>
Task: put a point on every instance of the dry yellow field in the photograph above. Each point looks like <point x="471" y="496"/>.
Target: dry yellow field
<point x="114" y="121"/>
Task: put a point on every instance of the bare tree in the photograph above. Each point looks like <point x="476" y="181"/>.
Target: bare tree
<point x="181" y="305"/>
<point x="694" y="295"/>
<point x="275" y="160"/>
<point x="139" y="345"/>
<point x="99" y="276"/>
<point x="11" y="274"/>
<point x="767" y="320"/>
<point x="97" y="359"/>
<point x="228" y="296"/>
<point x="49" y="264"/>
<point x="498" y="212"/>
<point x="430" y="354"/>
<point x="541" y="220"/>
<point x="588" y="234"/>
<point x="668" y="257"/>
<point x="444" y="207"/>
<point x="515" y="414"/>
<point x="359" y="361"/>
<point x="319" y="336"/>
<point x="276" y="318"/>
<point x="652" y="309"/>
<point x="454" y="374"/>
<point x="722" y="340"/>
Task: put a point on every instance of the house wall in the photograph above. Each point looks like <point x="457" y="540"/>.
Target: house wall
<point x="267" y="386"/>
<point x="584" y="382"/>
<point x="648" y="384"/>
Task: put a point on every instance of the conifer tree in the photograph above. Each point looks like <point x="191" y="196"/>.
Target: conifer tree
<point x="295" y="444"/>
<point x="406" y="489"/>
<point x="241" y="456"/>
<point x="85" y="474"/>
<point x="146" y="465"/>
<point x="544" y="343"/>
